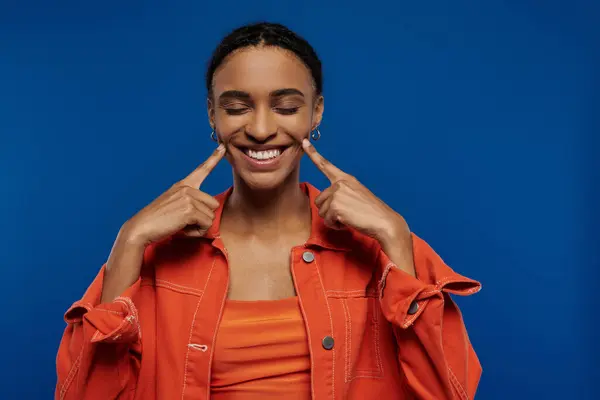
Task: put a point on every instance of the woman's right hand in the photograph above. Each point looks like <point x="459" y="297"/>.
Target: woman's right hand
<point x="183" y="208"/>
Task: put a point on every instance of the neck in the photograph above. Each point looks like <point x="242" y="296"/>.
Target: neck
<point x="269" y="212"/>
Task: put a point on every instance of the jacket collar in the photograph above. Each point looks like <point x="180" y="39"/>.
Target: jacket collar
<point x="320" y="235"/>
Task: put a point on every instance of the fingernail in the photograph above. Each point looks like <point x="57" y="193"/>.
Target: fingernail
<point x="306" y="143"/>
<point x="221" y="147"/>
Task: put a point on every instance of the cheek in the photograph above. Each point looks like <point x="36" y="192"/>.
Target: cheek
<point x="298" y="126"/>
<point x="228" y="126"/>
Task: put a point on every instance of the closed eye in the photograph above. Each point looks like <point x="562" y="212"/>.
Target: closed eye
<point x="287" y="110"/>
<point x="235" y="110"/>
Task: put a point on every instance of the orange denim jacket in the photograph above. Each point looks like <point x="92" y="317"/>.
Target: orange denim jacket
<point x="374" y="331"/>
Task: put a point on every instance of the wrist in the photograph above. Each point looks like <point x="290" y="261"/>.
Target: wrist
<point x="395" y="232"/>
<point x="396" y="242"/>
<point x="124" y="263"/>
<point x="129" y="238"/>
<point x="122" y="270"/>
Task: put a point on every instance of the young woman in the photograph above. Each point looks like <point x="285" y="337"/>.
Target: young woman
<point x="271" y="289"/>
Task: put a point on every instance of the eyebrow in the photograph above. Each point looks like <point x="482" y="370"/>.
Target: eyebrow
<point x="238" y="94"/>
<point x="286" y="92"/>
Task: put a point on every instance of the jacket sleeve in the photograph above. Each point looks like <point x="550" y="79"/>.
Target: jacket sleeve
<point x="434" y="351"/>
<point x="100" y="351"/>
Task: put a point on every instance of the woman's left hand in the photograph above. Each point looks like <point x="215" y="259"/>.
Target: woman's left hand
<point x="347" y="202"/>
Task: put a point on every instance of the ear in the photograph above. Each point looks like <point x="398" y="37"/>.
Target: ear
<point x="210" y="108"/>
<point x="318" y="110"/>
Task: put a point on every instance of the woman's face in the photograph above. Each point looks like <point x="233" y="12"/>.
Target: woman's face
<point x="263" y="105"/>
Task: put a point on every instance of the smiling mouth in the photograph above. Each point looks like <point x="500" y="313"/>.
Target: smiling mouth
<point x="263" y="156"/>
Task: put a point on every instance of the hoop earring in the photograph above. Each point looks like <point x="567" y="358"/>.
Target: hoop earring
<point x="214" y="137"/>
<point x="316" y="134"/>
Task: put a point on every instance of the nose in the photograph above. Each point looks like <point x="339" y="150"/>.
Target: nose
<point x="262" y="127"/>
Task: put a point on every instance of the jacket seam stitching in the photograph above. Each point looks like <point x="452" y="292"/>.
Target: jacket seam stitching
<point x="384" y="275"/>
<point x="187" y="354"/>
<point x="363" y="373"/>
<point x="178" y="288"/>
<point x="132" y="312"/>
<point x="461" y="391"/>
<point x="330" y="326"/>
<point x="348" y="339"/>
<point x="212" y="343"/>
<point x="376" y="332"/>
<point x="119" y="313"/>
<point x="67" y="384"/>
<point x="360" y="293"/>
<point x="192" y="292"/>
<point x="312" y="359"/>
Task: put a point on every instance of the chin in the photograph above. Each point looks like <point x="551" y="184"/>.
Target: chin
<point x="264" y="181"/>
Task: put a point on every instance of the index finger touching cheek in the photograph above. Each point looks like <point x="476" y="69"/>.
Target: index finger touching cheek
<point x="332" y="172"/>
<point x="198" y="176"/>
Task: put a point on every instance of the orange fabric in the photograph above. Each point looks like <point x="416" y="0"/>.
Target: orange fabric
<point x="395" y="336"/>
<point x="261" y="352"/>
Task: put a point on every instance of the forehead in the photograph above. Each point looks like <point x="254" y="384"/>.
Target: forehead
<point x="261" y="70"/>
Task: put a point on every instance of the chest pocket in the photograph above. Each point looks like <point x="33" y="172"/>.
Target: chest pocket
<point x="359" y="323"/>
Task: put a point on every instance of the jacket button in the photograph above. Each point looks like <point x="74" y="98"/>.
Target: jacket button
<point x="308" y="257"/>
<point x="414" y="307"/>
<point x="327" y="343"/>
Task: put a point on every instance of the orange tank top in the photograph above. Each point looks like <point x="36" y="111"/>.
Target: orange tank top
<point x="261" y="352"/>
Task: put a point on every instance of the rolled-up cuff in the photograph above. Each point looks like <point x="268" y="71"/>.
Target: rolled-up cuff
<point x="404" y="298"/>
<point x="114" y="322"/>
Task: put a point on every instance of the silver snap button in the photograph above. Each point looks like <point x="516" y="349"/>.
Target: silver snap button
<point x="308" y="256"/>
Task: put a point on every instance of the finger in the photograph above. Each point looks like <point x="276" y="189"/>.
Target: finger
<point x="204" y="209"/>
<point x="208" y="200"/>
<point x="188" y="200"/>
<point x="330" y="215"/>
<point x="198" y="221"/>
<point x="194" y="230"/>
<point x="189" y="211"/>
<point x="198" y="176"/>
<point x="333" y="219"/>
<point x="200" y="196"/>
<point x="332" y="172"/>
<point x="324" y="195"/>
<point x="324" y="207"/>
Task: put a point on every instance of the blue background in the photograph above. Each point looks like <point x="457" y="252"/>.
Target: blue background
<point x="478" y="121"/>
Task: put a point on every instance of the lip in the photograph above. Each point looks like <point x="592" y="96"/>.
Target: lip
<point x="261" y="147"/>
<point x="262" y="165"/>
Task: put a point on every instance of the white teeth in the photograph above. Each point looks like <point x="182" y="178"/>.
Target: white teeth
<point x="263" y="155"/>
